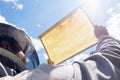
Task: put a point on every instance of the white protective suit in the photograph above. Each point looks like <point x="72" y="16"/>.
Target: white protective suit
<point x="103" y="65"/>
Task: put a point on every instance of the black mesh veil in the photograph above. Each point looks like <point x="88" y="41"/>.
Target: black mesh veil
<point x="24" y="41"/>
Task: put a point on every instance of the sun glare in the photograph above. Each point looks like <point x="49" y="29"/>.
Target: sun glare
<point x="92" y="7"/>
<point x="92" y="4"/>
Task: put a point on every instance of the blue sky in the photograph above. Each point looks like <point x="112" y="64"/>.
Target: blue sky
<point x="36" y="16"/>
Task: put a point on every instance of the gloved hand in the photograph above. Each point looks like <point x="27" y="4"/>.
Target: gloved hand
<point x="100" y="31"/>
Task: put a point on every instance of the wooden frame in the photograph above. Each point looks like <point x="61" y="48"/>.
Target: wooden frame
<point x="71" y="35"/>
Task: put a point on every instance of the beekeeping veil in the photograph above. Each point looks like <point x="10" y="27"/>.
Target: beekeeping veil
<point x="24" y="41"/>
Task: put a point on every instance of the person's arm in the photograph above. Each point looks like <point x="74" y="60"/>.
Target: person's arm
<point x="103" y="65"/>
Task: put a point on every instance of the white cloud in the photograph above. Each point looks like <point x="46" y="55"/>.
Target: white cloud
<point x="38" y="25"/>
<point x="19" y="6"/>
<point x="110" y="10"/>
<point x="45" y="56"/>
<point x="3" y="19"/>
<point x="37" y="43"/>
<point x="9" y="0"/>
<point x="113" y="24"/>
<point x="16" y="4"/>
<point x="68" y="62"/>
<point x="80" y="57"/>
